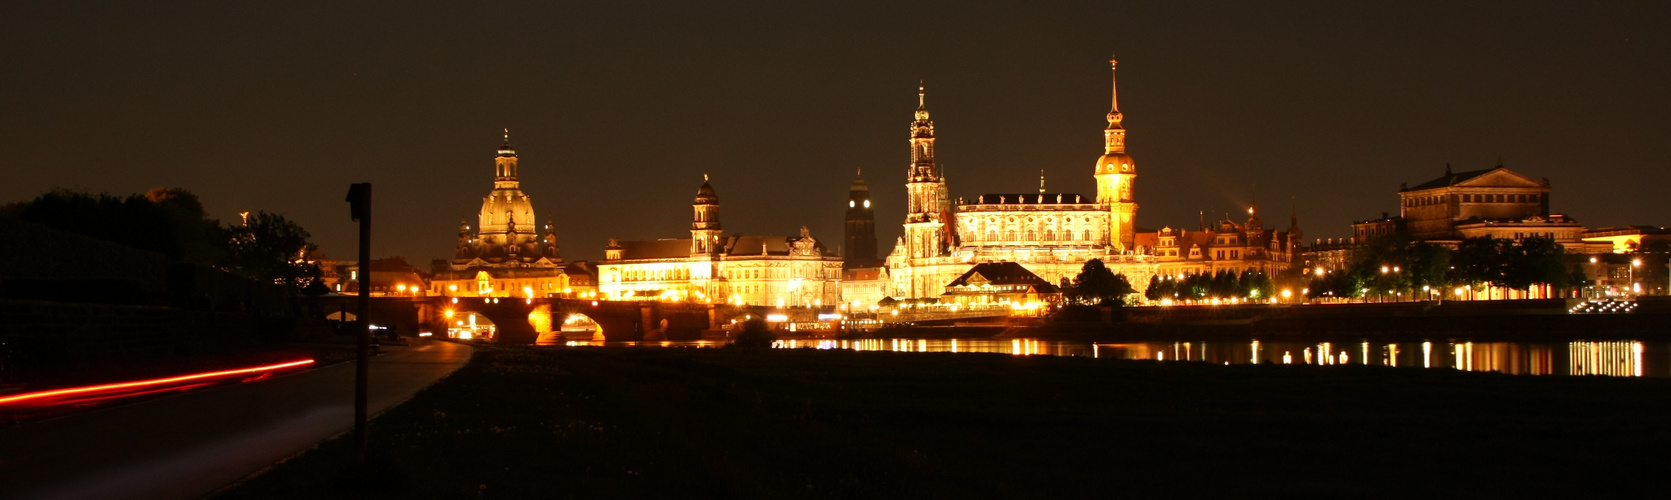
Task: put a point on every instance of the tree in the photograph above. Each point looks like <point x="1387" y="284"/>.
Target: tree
<point x="1261" y="287"/>
<point x="1095" y="284"/>
<point x="1538" y="260"/>
<point x="1153" y="291"/>
<point x="1428" y="266"/>
<point x="167" y="221"/>
<point x="270" y="248"/>
<point x="755" y="334"/>
<point x="1477" y="261"/>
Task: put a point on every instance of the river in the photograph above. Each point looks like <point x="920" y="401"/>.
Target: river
<point x="1625" y="358"/>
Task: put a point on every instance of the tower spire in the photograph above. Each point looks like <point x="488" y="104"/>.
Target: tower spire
<point x="1041" y="181"/>
<point x="1114" y="115"/>
<point x="1115" y="134"/>
<point x="1293" y="214"/>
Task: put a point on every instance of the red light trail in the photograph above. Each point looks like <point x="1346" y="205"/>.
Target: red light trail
<point x="148" y="383"/>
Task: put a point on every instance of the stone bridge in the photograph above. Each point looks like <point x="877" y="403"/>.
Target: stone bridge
<point x="521" y="321"/>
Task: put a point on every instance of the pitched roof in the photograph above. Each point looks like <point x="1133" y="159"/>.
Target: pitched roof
<point x="1450" y="179"/>
<point x="742" y="245"/>
<point x="1001" y="273"/>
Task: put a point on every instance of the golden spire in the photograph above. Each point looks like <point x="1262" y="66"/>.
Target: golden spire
<point x="922" y="105"/>
<point x="507" y="136"/>
<point x="1114" y="115"/>
<point x="1041" y="181"/>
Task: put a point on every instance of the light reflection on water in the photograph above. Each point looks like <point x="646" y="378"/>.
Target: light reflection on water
<point x="1627" y="358"/>
<point x="1616" y="358"/>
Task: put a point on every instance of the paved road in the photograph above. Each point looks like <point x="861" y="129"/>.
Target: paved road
<point x="190" y="445"/>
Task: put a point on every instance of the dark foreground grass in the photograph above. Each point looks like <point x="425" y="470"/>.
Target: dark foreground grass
<point x="682" y="423"/>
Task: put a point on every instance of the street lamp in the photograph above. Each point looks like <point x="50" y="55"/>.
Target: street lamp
<point x="1635" y="288"/>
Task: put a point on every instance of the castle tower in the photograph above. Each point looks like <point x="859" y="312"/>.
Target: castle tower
<point x="506" y="203"/>
<point x="860" y="245"/>
<point x="927" y="206"/>
<point x="705" y="231"/>
<point x="1115" y="174"/>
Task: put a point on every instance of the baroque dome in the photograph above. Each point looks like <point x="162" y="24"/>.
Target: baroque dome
<point x="1116" y="163"/>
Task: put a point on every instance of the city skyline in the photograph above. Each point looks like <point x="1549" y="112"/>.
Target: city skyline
<point x="617" y="113"/>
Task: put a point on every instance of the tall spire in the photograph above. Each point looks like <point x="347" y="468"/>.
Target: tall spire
<point x="922" y="122"/>
<point x="1041" y="181"/>
<point x="1293" y="215"/>
<point x="922" y="141"/>
<point x="1114" y="115"/>
<point x="1115" y="135"/>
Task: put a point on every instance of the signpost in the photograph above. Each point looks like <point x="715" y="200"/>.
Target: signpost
<point x="359" y="202"/>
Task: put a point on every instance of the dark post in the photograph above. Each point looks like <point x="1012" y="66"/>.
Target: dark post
<point x="359" y="202"/>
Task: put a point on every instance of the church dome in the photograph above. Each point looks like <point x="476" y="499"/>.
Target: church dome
<point x="1116" y="163"/>
<point x="705" y="195"/>
<point x="505" y="210"/>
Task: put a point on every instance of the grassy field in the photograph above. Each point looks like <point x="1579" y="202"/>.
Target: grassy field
<point x="694" y="423"/>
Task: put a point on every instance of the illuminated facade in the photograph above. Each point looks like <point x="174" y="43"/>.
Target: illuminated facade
<point x="1052" y="235"/>
<point x="1225" y="245"/>
<point x="1001" y="283"/>
<point x="1495" y="202"/>
<point x="712" y="267"/>
<point x="507" y="256"/>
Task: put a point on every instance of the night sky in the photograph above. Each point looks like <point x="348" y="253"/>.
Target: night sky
<point x="618" y="108"/>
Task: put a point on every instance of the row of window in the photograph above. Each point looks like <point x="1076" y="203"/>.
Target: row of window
<point x="684" y="274"/>
<point x="1471" y="198"/>
<point x="1029" y="235"/>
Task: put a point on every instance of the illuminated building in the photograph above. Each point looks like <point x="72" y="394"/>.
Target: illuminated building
<point x="507" y="256"/>
<point x="712" y="267"/>
<point x="1495" y="202"/>
<point x="862" y="287"/>
<point x="1053" y="234"/>
<point x="391" y="276"/>
<point x="1001" y="283"/>
<point x="1226" y="245"/>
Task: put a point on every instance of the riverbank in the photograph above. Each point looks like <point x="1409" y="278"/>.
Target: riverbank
<point x="1473" y="320"/>
<point x="634" y="422"/>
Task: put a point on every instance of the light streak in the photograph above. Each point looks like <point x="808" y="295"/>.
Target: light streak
<point x="144" y="383"/>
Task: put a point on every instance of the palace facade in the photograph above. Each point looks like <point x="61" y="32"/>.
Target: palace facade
<point x="713" y="267"/>
<point x="1052" y="235"/>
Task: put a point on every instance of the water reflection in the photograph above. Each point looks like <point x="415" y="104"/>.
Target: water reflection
<point x="1626" y="358"/>
<point x="1615" y="358"/>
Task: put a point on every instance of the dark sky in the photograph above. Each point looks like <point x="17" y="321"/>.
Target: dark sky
<point x="617" y="108"/>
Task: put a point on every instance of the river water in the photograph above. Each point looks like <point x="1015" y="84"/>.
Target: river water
<point x="1625" y="358"/>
